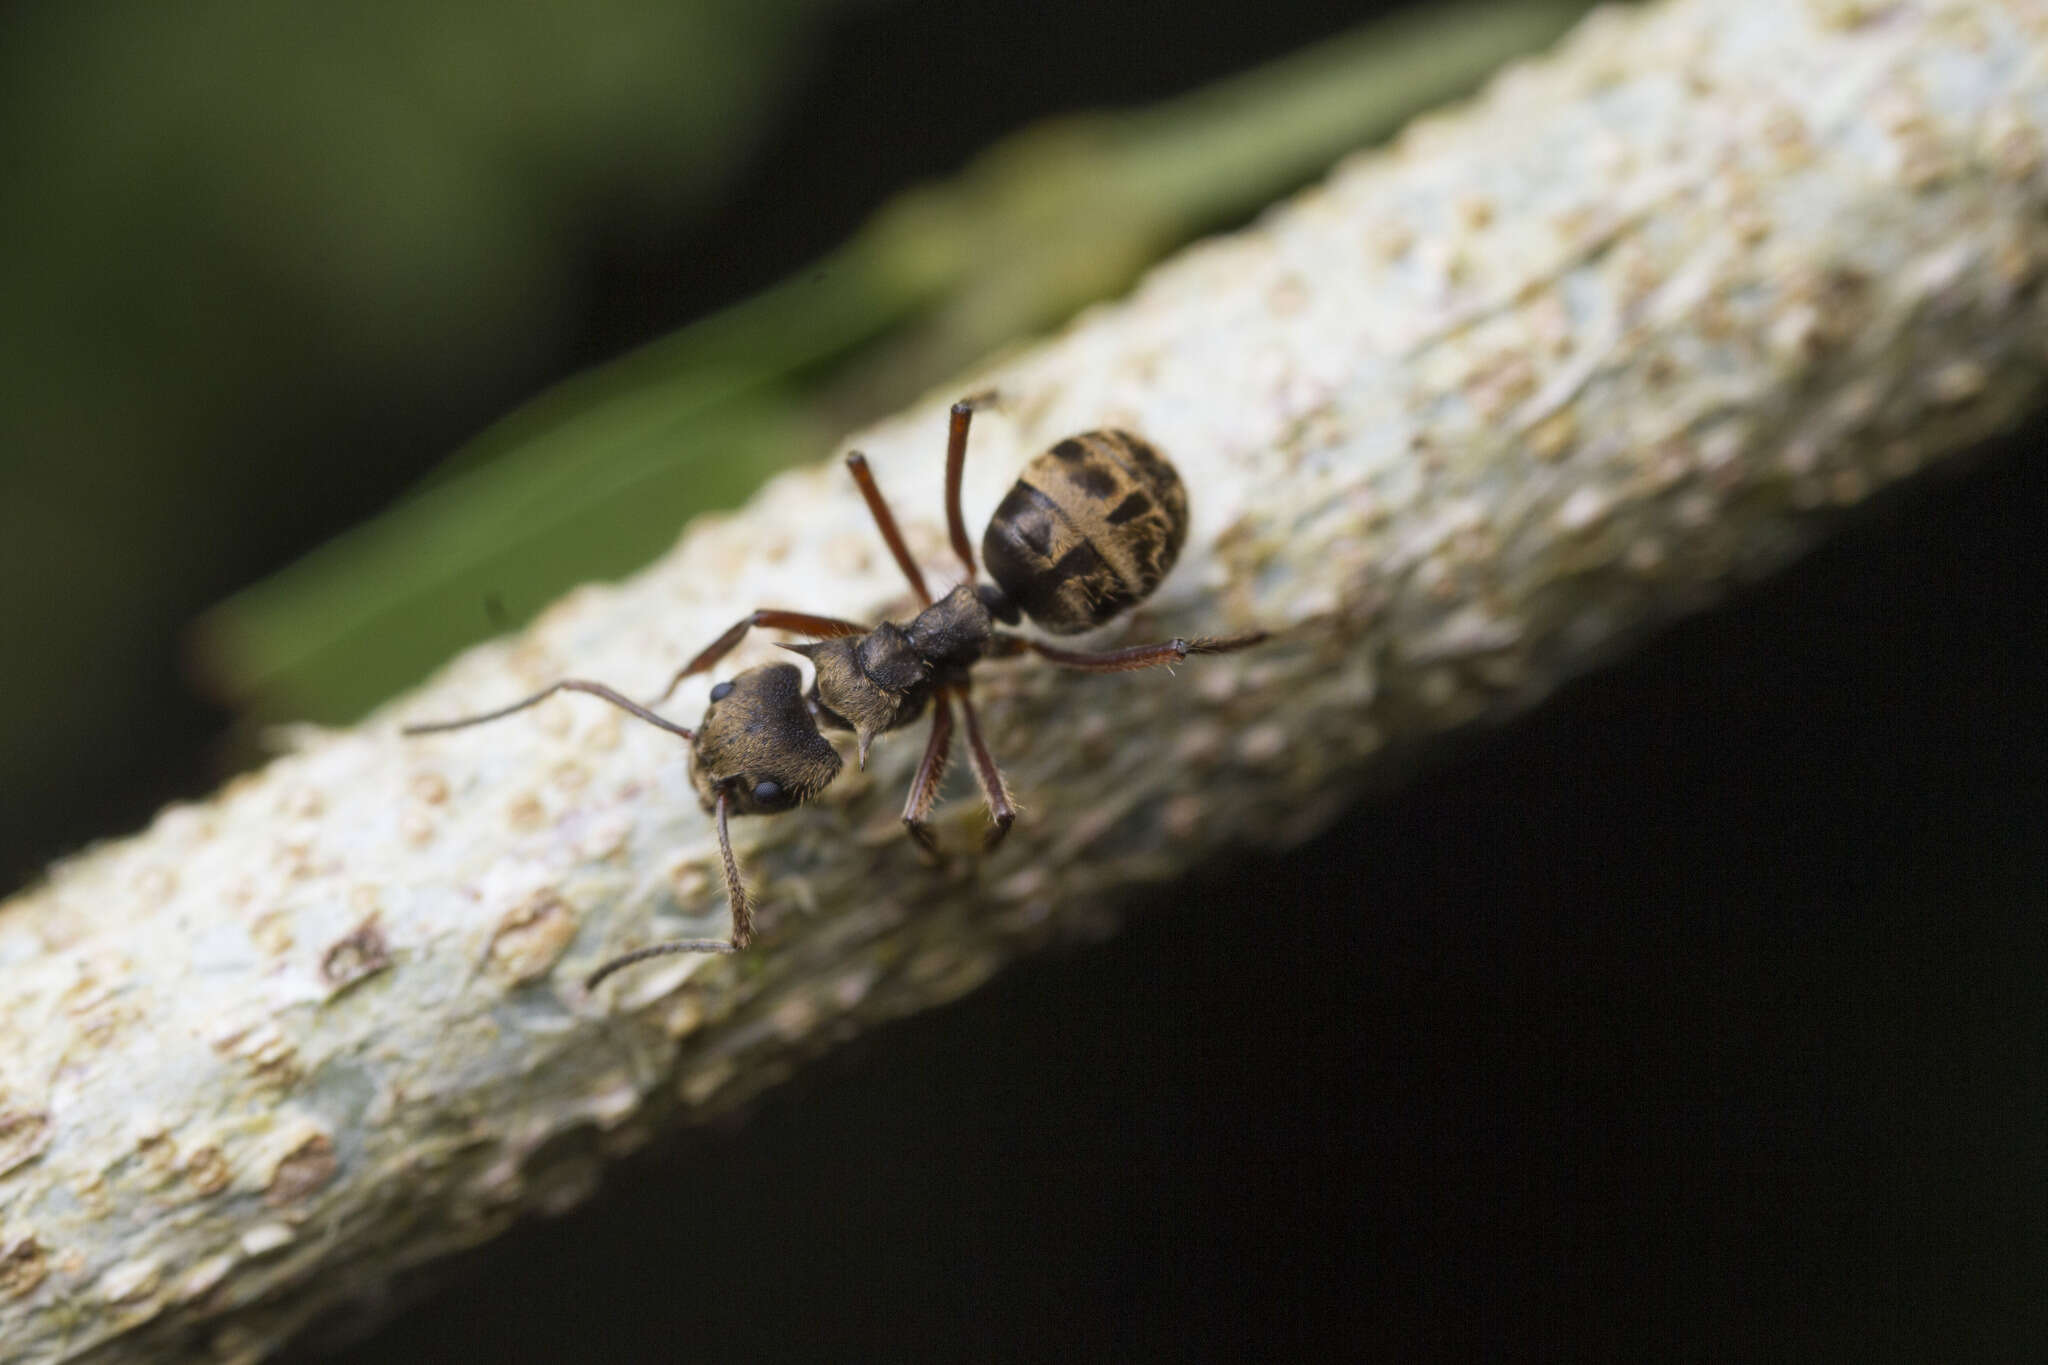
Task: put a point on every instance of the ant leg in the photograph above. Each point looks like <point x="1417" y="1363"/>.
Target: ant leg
<point x="1000" y="812"/>
<point x="1142" y="656"/>
<point x="736" y="895"/>
<point x="924" y="788"/>
<point x="956" y="460"/>
<point x="820" y="627"/>
<point x="1001" y="646"/>
<point x="595" y="689"/>
<point x="878" y="507"/>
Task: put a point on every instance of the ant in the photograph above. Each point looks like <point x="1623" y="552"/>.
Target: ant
<point x="1087" y="531"/>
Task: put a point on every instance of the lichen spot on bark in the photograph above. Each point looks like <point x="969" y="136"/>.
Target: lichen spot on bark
<point x="303" y="1170"/>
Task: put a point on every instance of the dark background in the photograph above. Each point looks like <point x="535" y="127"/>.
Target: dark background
<point x="1701" y="1014"/>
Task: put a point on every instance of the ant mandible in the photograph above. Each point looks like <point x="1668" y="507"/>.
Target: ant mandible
<point x="1087" y="531"/>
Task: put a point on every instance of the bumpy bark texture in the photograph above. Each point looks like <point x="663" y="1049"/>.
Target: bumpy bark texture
<point x="1635" y="326"/>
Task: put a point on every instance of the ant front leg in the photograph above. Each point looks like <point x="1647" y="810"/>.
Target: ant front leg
<point x="924" y="788"/>
<point x="1001" y="813"/>
<point x="772" y="618"/>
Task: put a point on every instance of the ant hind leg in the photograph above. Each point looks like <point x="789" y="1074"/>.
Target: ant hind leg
<point x="1141" y="656"/>
<point x="885" y="521"/>
<point x="956" y="460"/>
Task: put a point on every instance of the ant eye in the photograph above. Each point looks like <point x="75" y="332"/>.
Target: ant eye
<point x="767" y="793"/>
<point x="721" y="692"/>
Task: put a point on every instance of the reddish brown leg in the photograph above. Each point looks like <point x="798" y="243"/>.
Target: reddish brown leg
<point x="735" y="894"/>
<point x="1141" y="656"/>
<point x="924" y="788"/>
<point x="819" y="627"/>
<point x="1000" y="812"/>
<point x="878" y="507"/>
<point x="595" y="689"/>
<point x="956" y="460"/>
<point x="1001" y="646"/>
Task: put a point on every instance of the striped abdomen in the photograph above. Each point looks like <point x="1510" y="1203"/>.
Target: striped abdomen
<point x="1089" y="529"/>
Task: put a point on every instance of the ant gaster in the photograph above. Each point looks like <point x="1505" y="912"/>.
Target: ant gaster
<point x="1088" y="530"/>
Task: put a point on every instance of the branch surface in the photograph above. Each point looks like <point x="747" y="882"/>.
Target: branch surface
<point x="1635" y="326"/>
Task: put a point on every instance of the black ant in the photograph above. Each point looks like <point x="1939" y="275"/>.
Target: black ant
<point x="1087" y="531"/>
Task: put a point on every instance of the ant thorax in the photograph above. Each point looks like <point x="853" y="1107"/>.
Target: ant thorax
<point x="883" y="680"/>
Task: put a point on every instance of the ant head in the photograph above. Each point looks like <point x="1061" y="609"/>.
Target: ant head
<point x="760" y="745"/>
<point x="868" y="683"/>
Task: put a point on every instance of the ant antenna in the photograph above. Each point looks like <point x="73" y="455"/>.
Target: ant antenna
<point x="742" y="915"/>
<point x="595" y="689"/>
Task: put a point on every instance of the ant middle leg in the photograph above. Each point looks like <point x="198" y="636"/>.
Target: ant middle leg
<point x="924" y="788"/>
<point x="771" y="618"/>
<point x="994" y="793"/>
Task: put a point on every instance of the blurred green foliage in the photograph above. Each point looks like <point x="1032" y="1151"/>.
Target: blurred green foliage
<point x="228" y="220"/>
<point x="596" y="477"/>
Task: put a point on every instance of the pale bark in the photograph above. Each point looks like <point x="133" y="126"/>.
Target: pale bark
<point x="1637" y="325"/>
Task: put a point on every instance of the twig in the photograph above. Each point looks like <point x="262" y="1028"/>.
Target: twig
<point x="1632" y="328"/>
